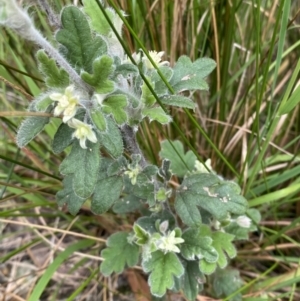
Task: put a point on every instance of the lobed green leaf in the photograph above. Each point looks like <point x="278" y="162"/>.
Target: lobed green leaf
<point x="143" y="188"/>
<point x="208" y="191"/>
<point x="158" y="114"/>
<point x="159" y="85"/>
<point x="189" y="76"/>
<point x="55" y="77"/>
<point x="115" y="105"/>
<point x="163" y="268"/>
<point x="126" y="70"/>
<point x="118" y="254"/>
<point x="80" y="47"/>
<point x="40" y="104"/>
<point x="222" y="242"/>
<point x="102" y="69"/>
<point x="181" y="163"/>
<point x="197" y="245"/>
<point x="191" y="281"/>
<point x="225" y="282"/>
<point x="98" y="20"/>
<point x="206" y="267"/>
<point x="147" y="97"/>
<point x="186" y="207"/>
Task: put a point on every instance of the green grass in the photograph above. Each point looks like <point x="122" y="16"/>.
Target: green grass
<point x="248" y="124"/>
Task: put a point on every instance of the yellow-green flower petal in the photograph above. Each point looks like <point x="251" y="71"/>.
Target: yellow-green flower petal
<point x="82" y="132"/>
<point x="66" y="103"/>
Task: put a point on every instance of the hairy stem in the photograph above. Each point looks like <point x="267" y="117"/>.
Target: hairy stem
<point x="18" y="19"/>
<point x="41" y="41"/>
<point x="131" y="144"/>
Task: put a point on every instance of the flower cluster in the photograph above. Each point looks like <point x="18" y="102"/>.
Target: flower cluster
<point x="82" y="132"/>
<point x="67" y="103"/>
<point x="168" y="242"/>
<point x="200" y="168"/>
<point x="243" y="221"/>
<point x="155" y="56"/>
<point x="132" y="173"/>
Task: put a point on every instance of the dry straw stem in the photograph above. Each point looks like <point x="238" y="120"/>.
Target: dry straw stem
<point x="52" y="230"/>
<point x="24" y="114"/>
<point x="28" y="96"/>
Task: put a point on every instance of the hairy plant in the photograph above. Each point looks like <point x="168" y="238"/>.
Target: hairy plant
<point x="102" y="94"/>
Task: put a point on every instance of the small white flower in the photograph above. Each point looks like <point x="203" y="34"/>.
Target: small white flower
<point x="156" y="57"/>
<point x="132" y="173"/>
<point x="82" y="132"/>
<point x="66" y="103"/>
<point x="243" y="221"/>
<point x="163" y="227"/>
<point x="100" y="98"/>
<point x="200" y="168"/>
<point x="168" y="243"/>
<point x="216" y="224"/>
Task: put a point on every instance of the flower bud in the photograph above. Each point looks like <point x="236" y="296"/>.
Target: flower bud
<point x="243" y="221"/>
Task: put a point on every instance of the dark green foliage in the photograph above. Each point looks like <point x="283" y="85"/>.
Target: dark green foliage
<point x="191" y="281"/>
<point x="197" y="245"/>
<point x="98" y="20"/>
<point x="55" y="77"/>
<point x="181" y="163"/>
<point x="98" y="119"/>
<point x="225" y="282"/>
<point x="115" y="105"/>
<point x="178" y="101"/>
<point x="68" y="197"/>
<point x="62" y="138"/>
<point x="190" y="75"/>
<point x="102" y="69"/>
<point x="149" y="223"/>
<point x="127" y="204"/>
<point x="107" y="191"/>
<point x="29" y="128"/>
<point x="158" y="114"/>
<point x="163" y="268"/>
<point x="111" y="140"/>
<point x="118" y="254"/>
<point x="84" y="164"/>
<point x="209" y="192"/>
<point x="80" y="47"/>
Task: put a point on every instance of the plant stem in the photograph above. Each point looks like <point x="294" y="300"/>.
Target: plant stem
<point x="131" y="144"/>
<point x="41" y="41"/>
